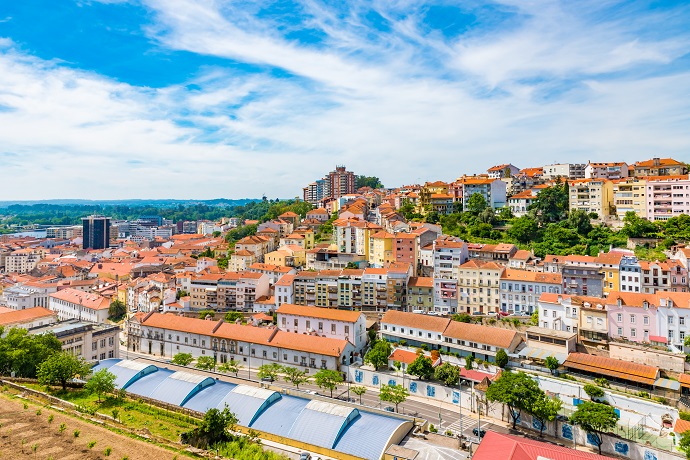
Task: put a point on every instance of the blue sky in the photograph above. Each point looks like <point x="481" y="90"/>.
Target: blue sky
<point x="203" y="99"/>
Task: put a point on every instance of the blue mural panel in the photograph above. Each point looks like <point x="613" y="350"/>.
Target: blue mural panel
<point x="537" y="424"/>
<point x="392" y="383"/>
<point x="375" y="380"/>
<point x="622" y="448"/>
<point x="359" y="376"/>
<point x="649" y="455"/>
<point x="567" y="431"/>
<point x="456" y="397"/>
<point x="431" y="391"/>
<point x="413" y="387"/>
<point x="592" y="439"/>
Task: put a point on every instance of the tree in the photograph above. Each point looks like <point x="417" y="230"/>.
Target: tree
<point x="422" y="367"/>
<point x="395" y="394"/>
<point x="230" y="367"/>
<point x="213" y="429"/>
<point x="22" y="353"/>
<point x="378" y="355"/>
<point x="359" y="391"/>
<point x="182" y="359"/>
<point x="269" y="372"/>
<point x="501" y="358"/>
<point x="523" y="229"/>
<point x="551" y="204"/>
<point x="637" y="227"/>
<point x="367" y="181"/>
<point x="207" y="363"/>
<point x="551" y="364"/>
<point x="469" y="359"/>
<point x="117" y="310"/>
<point x="545" y="409"/>
<point x="101" y="382"/>
<point x="60" y="368"/>
<point x="684" y="443"/>
<point x="461" y="318"/>
<point x="204" y="313"/>
<point x="476" y="203"/>
<point x="593" y="391"/>
<point x="232" y="316"/>
<point x="448" y="374"/>
<point x="295" y="376"/>
<point x="595" y="419"/>
<point x="579" y="220"/>
<point x="516" y="390"/>
<point x="328" y="379"/>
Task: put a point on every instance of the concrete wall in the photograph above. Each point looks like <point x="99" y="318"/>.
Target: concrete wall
<point x="667" y="361"/>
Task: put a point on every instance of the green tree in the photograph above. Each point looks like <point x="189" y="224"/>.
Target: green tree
<point x="182" y="359"/>
<point x="637" y="227"/>
<point x="469" y="359"/>
<point x="117" y="310"/>
<point x="204" y="313"/>
<point x="328" y="379"/>
<point x="684" y="443"/>
<point x="232" y="316"/>
<point x="60" y="368"/>
<point x="476" y="203"/>
<point x="207" y="363"/>
<point x="395" y="394"/>
<point x="295" y="376"/>
<point x="101" y="382"/>
<point x="230" y="367"/>
<point x="422" y="367"/>
<point x="551" y="364"/>
<point x="593" y="391"/>
<point x="212" y="430"/>
<point x="359" y="391"/>
<point x="516" y="390"/>
<point x="448" y="374"/>
<point x="523" y="229"/>
<point x="378" y="355"/>
<point x="501" y="358"/>
<point x="269" y="371"/>
<point x="579" y="220"/>
<point x="595" y="419"/>
<point x="545" y="409"/>
<point x="461" y="317"/>
<point x="367" y="181"/>
<point x="22" y="353"/>
<point x="551" y="204"/>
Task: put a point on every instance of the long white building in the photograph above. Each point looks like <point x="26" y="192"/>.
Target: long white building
<point x="75" y="304"/>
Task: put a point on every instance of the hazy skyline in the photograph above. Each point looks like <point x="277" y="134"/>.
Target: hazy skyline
<point x="205" y="99"/>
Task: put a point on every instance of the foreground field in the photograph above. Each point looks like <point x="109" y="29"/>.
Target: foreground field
<point x="23" y="433"/>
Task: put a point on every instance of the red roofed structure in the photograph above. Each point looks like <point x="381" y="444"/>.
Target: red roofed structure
<point x="508" y="447"/>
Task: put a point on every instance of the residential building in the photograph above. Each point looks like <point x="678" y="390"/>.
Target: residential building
<point x="610" y="267"/>
<point x="608" y="171"/>
<point x="26" y="318"/>
<point x="337" y="184"/>
<point x="492" y="190"/>
<point x="630" y="274"/>
<point x="520" y="202"/>
<point x="633" y="316"/>
<point x="564" y="170"/>
<point x="591" y="196"/>
<point x="324" y="322"/>
<point x="667" y="197"/>
<point x="96" y="232"/>
<point x="520" y="290"/>
<point x="23" y="260"/>
<point x="594" y="320"/>
<point x="22" y="297"/>
<point x="352" y="236"/>
<point x="557" y="312"/>
<point x="629" y="195"/>
<point x="582" y="275"/>
<point x="660" y="167"/>
<point x="375" y="289"/>
<point x="350" y="289"/>
<point x="284" y="290"/>
<point x="406" y="249"/>
<point x="500" y="253"/>
<point x="166" y="335"/>
<point x="449" y="254"/>
<point x="478" y="286"/>
<point x="74" y="304"/>
<point x="399" y="274"/>
<point x="420" y="294"/>
<point x="501" y="171"/>
<point x="414" y="328"/>
<point x="92" y="342"/>
<point x="381" y="249"/>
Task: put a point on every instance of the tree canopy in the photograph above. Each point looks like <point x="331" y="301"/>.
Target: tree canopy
<point x="516" y="390"/>
<point x="328" y="379"/>
<point x="22" y="353"/>
<point x="545" y="409"/>
<point x="182" y="359"/>
<point x="501" y="358"/>
<point x="422" y="367"/>
<point x="101" y="382"/>
<point x="60" y="368"/>
<point x="447" y="373"/>
<point x="367" y="181"/>
<point x="395" y="394"/>
<point x="595" y="419"/>
<point x="378" y="355"/>
<point x="295" y="376"/>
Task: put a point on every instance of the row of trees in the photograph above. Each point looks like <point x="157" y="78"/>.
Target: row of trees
<point x="521" y="393"/>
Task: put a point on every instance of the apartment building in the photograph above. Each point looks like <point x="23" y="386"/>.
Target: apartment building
<point x="326" y="288"/>
<point x="381" y="249"/>
<point x="350" y="289"/>
<point x="21" y="297"/>
<point x="493" y="190"/>
<point x="557" y="312"/>
<point x="326" y="322"/>
<point x="582" y="276"/>
<point x="74" y="304"/>
<point x="630" y="274"/>
<point x="23" y="260"/>
<point x="352" y="236"/>
<point x="406" y="249"/>
<point x="608" y="171"/>
<point x="591" y="196"/>
<point x="399" y="274"/>
<point x="520" y="290"/>
<point x="663" y="276"/>
<point x="92" y="342"/>
<point x="499" y="253"/>
<point x="633" y="316"/>
<point x="375" y="289"/>
<point x="667" y="197"/>
<point x="520" y="202"/>
<point x="478" y="286"/>
<point x="26" y="318"/>
<point x="449" y="253"/>
<point x="420" y="294"/>
<point x="165" y="335"/>
<point x="564" y="170"/>
<point x="660" y="167"/>
<point x="629" y="195"/>
<point x="284" y="290"/>
<point x="610" y="267"/>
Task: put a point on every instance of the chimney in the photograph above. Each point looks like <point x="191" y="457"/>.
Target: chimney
<point x="656" y="161"/>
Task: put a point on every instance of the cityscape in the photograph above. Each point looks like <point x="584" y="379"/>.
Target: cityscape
<point x="344" y="231"/>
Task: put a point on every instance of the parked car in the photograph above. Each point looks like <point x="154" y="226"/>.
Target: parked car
<point x="267" y="379"/>
<point x="389" y="409"/>
<point x="504" y="313"/>
<point x="305" y="456"/>
<point x="492" y="313"/>
<point x="479" y="433"/>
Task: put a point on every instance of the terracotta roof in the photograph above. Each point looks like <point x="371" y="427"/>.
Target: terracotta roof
<point x="613" y="368"/>
<point x="425" y="322"/>
<point x="522" y="254"/>
<point x="498" y="167"/>
<point x="508" y="447"/>
<point x="403" y="356"/>
<point x="286" y="280"/>
<point x="498" y="337"/>
<point x="318" y="312"/>
<point x="681" y="426"/>
<point x="86" y="300"/>
<point x="552" y="298"/>
<point x="309" y="343"/>
<point x="526" y="194"/>
<point x="684" y="379"/>
<point x="22" y="316"/>
<point x="421" y="281"/>
<point x="535" y="277"/>
<point x="662" y="162"/>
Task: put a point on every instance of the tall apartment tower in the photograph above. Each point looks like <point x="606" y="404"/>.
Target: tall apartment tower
<point x="96" y="234"/>
<point x="336" y="184"/>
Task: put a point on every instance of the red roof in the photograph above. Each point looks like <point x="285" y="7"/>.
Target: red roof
<point x="658" y="338"/>
<point x="508" y="447"/>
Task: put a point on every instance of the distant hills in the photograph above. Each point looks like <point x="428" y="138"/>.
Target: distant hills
<point x="163" y="203"/>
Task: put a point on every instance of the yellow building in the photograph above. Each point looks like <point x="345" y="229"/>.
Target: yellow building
<point x="610" y="267"/>
<point x="308" y="234"/>
<point x="381" y="249"/>
<point x="432" y="194"/>
<point x="478" y="286"/>
<point x="287" y="256"/>
<point x="591" y="196"/>
<point x="629" y="195"/>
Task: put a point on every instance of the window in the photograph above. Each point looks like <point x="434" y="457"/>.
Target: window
<point x="296" y="323"/>
<point x="620" y="331"/>
<point x="308" y="324"/>
<point x="111" y="354"/>
<point x="347" y="329"/>
<point x="645" y="319"/>
<point x="94" y="346"/>
<point x="102" y="343"/>
<point x="296" y="359"/>
<point x="619" y="317"/>
<point x="670" y="320"/>
<point x="554" y="314"/>
<point x="633" y="332"/>
<point x="333" y="329"/>
<point x="632" y="319"/>
<point x="111" y="340"/>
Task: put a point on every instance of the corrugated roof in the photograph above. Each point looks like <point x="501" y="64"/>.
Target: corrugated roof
<point x="495" y="336"/>
<point x="508" y="447"/>
<point x="318" y="312"/>
<point x="425" y="322"/>
<point x="626" y="370"/>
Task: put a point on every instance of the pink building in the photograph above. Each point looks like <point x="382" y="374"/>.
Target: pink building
<point x="667" y="196"/>
<point x="632" y="316"/>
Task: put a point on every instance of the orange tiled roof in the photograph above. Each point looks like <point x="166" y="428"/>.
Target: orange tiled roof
<point x="536" y="277"/>
<point x="429" y="323"/>
<point x="613" y="368"/>
<point x="21" y="316"/>
<point x="662" y="162"/>
<point x="86" y="300"/>
<point x="318" y="312"/>
<point x="497" y="337"/>
<point x="421" y="281"/>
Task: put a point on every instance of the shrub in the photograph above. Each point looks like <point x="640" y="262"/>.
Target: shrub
<point x="684" y="415"/>
<point x="90" y="444"/>
<point x="403" y="343"/>
<point x="76" y="433"/>
<point x="425" y="347"/>
<point x="26" y="406"/>
<point x="449" y="433"/>
<point x="62" y="428"/>
<point x="432" y="429"/>
<point x="643" y="394"/>
<point x="50" y="418"/>
<point x="602" y="382"/>
<point x="108" y="450"/>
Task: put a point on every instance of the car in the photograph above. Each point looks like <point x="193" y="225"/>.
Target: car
<point x="389" y="409"/>
<point x="492" y="313"/>
<point x="305" y="456"/>
<point x="433" y="313"/>
<point x="504" y="313"/>
<point x="477" y="313"/>
<point x="479" y="433"/>
<point x="419" y="312"/>
<point x="267" y="379"/>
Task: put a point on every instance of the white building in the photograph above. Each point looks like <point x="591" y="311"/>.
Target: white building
<point x="93" y="342"/>
<point x="325" y="322"/>
<point x="285" y="290"/>
<point x="556" y="311"/>
<point x="564" y="170"/>
<point x="608" y="171"/>
<point x="449" y="254"/>
<point x="630" y="273"/>
<point x="74" y="304"/>
<point x="23" y="260"/>
<point x="520" y="289"/>
<point x="23" y="297"/>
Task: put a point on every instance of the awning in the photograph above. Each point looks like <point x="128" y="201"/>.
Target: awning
<point x="667" y="384"/>
<point x="658" y="339"/>
<point x="541" y="354"/>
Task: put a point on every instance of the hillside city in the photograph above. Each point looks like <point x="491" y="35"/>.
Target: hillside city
<point x="544" y="309"/>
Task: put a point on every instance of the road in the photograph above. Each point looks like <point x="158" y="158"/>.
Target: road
<point x="437" y="414"/>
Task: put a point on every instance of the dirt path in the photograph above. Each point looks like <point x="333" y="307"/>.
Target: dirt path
<point x="22" y="428"/>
